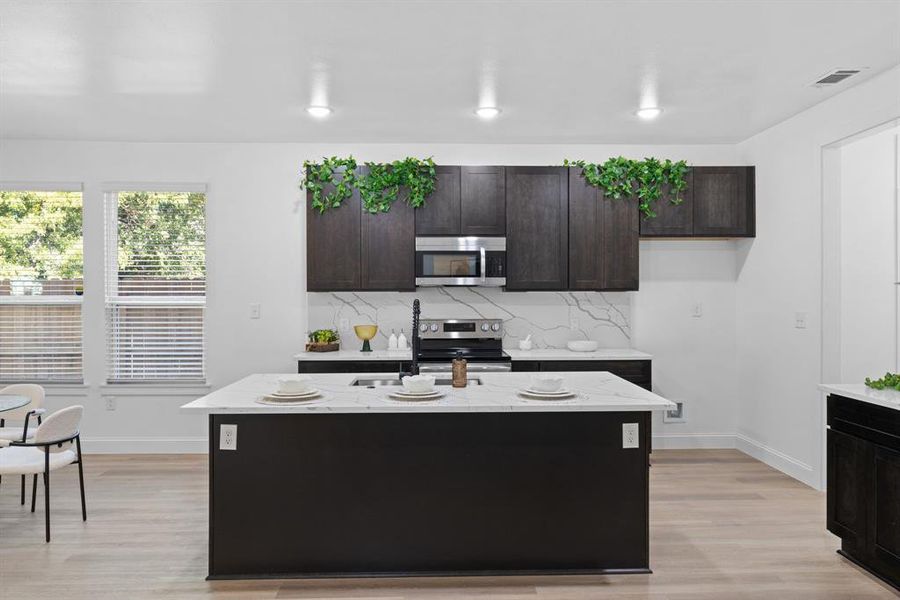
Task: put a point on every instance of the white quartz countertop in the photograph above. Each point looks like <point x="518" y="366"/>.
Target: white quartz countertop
<point x="863" y="393"/>
<point x="596" y="392"/>
<point x="515" y="354"/>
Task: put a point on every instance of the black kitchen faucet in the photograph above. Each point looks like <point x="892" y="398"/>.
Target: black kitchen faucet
<point x="414" y="364"/>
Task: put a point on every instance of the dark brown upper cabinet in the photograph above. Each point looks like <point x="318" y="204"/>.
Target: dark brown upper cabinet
<point x="718" y="202"/>
<point x="440" y="215"/>
<point x="483" y="201"/>
<point x="603" y="239"/>
<point x="672" y="220"/>
<point x="724" y="201"/>
<point x="537" y="228"/>
<point x="333" y="245"/>
<point x="389" y="248"/>
<point x="465" y="201"/>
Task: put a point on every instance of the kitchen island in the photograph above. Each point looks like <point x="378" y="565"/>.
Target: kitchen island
<point x="480" y="481"/>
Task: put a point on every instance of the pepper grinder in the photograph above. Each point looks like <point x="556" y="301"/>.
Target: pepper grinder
<point x="460" y="378"/>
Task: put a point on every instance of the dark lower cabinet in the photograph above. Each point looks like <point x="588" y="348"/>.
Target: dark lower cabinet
<point x="863" y="493"/>
<point x="603" y="239"/>
<point x="636" y="371"/>
<point x="333" y="245"/>
<point x="351" y="366"/>
<point x="537" y="228"/>
<point x="718" y="202"/>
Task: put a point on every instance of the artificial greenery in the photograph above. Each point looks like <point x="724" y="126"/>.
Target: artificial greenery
<point x="324" y="336"/>
<point x="337" y="172"/>
<point x="890" y="381"/>
<point x="621" y="177"/>
<point x="379" y="185"/>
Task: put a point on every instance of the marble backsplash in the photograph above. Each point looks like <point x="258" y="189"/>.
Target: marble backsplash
<point x="552" y="318"/>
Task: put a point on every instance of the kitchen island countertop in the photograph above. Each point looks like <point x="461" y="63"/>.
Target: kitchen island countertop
<point x="596" y="392"/>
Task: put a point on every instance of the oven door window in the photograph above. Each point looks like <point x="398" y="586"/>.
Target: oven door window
<point x="449" y="264"/>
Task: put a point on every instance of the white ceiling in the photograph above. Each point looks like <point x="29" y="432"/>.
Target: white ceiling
<point x="413" y="71"/>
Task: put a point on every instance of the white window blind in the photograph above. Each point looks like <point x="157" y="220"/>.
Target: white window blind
<point x="155" y="285"/>
<point x="41" y="279"/>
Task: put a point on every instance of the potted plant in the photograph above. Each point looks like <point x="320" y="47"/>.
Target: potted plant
<point x="323" y="340"/>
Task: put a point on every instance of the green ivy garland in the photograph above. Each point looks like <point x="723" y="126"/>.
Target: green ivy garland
<point x="379" y="185"/>
<point x="644" y="179"/>
<point x="337" y="172"/>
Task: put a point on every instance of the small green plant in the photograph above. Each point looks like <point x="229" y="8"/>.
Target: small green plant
<point x="339" y="173"/>
<point x="379" y="185"/>
<point x="622" y="177"/>
<point x="324" y="336"/>
<point x="890" y="381"/>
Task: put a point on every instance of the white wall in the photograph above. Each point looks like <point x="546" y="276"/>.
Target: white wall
<point x="780" y="274"/>
<point x="256" y="253"/>
<point x="868" y="253"/>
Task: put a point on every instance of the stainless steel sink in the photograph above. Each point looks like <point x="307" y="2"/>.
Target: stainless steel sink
<point x="374" y="383"/>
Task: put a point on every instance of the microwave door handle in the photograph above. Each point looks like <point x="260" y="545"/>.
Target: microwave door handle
<point x="483" y="265"/>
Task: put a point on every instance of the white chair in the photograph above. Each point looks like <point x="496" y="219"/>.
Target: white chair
<point x="50" y="449"/>
<point x="34" y="408"/>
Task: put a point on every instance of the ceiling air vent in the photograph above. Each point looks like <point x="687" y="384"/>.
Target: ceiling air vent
<point x="835" y="77"/>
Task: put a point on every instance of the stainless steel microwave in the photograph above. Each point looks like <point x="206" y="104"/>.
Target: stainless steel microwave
<point x="472" y="261"/>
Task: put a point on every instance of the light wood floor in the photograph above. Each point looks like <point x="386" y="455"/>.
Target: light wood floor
<point x="724" y="526"/>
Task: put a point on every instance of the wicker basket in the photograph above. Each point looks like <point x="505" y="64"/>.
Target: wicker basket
<point x="322" y="347"/>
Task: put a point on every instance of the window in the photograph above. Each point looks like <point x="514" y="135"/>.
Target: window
<point x="155" y="285"/>
<point x="41" y="278"/>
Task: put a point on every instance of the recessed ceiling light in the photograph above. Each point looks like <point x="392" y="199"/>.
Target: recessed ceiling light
<point x="651" y="112"/>
<point x="487" y="112"/>
<point x="318" y="111"/>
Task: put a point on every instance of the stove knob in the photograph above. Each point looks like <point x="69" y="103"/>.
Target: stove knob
<point x="423" y="327"/>
<point x="434" y="327"/>
<point x="495" y="327"/>
<point x="484" y="326"/>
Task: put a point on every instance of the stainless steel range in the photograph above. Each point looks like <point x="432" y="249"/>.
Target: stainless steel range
<point x="479" y="341"/>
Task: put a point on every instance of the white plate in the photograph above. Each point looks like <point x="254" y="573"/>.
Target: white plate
<point x="433" y="395"/>
<point x="294" y="395"/>
<point x="559" y="392"/>
<point x="272" y="400"/>
<point x="560" y="395"/>
<point x="428" y="393"/>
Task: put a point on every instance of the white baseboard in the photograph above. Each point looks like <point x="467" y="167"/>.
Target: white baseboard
<point x="776" y="459"/>
<point x="145" y="445"/>
<point x="688" y="441"/>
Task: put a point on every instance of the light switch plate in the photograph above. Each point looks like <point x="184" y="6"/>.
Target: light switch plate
<point x="630" y="435"/>
<point x="227" y="437"/>
<point x="254" y="310"/>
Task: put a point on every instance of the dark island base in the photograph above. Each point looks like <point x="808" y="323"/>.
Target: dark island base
<point x="868" y="569"/>
<point x="369" y="495"/>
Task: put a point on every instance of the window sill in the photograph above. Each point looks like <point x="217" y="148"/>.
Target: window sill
<point x="61" y="388"/>
<point x="155" y="389"/>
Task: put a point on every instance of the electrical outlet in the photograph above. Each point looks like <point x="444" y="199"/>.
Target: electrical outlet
<point x="698" y="310"/>
<point x="800" y="320"/>
<point x="254" y="311"/>
<point x="630" y="435"/>
<point x="110" y="403"/>
<point x="227" y="437"/>
<point x="344" y="324"/>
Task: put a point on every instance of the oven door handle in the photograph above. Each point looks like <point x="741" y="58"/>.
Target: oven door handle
<point x="499" y="367"/>
<point x="483" y="265"/>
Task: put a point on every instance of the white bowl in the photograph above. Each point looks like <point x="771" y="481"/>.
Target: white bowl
<point x="418" y="384"/>
<point x="582" y="345"/>
<point x="294" y="384"/>
<point x="546" y="383"/>
<point x="525" y="345"/>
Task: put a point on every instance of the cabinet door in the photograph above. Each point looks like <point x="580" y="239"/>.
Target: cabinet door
<point x="849" y="471"/>
<point x="672" y="220"/>
<point x="537" y="228"/>
<point x="724" y="201"/>
<point x="483" y="205"/>
<point x="333" y="246"/>
<point x="389" y="248"/>
<point x="884" y="524"/>
<point x="603" y="239"/>
<point x="440" y="213"/>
